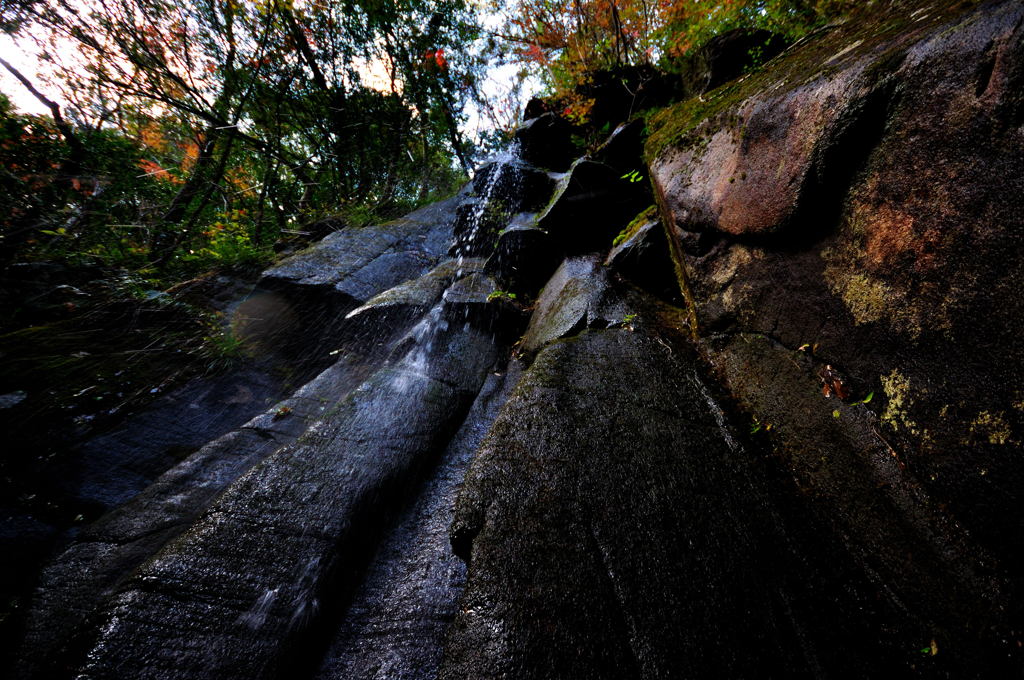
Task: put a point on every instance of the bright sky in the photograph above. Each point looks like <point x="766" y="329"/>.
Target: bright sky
<point x="21" y="56"/>
<point x="27" y="64"/>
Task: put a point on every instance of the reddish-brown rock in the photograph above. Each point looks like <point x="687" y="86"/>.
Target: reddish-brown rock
<point x="859" y="202"/>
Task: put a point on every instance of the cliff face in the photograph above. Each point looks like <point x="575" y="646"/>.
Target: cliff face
<point x="769" y="428"/>
<point x="856" y="205"/>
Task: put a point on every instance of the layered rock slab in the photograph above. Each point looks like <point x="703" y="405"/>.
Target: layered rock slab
<point x="613" y="531"/>
<point x="233" y="595"/>
<point x="396" y="623"/>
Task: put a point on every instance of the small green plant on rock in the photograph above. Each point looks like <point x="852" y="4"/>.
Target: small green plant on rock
<point x="501" y="295"/>
<point x="757" y="426"/>
<point x="222" y="348"/>
<point x="647" y="214"/>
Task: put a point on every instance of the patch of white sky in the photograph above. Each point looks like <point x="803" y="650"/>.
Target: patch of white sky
<point x="503" y="84"/>
<point x="21" y="54"/>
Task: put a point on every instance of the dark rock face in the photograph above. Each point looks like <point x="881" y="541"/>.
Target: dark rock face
<point x="341" y="260"/>
<point x="524" y="256"/>
<point x="624" y="148"/>
<point x="256" y="567"/>
<point x="726" y="56"/>
<point x="642" y="256"/>
<point x="397" y="619"/>
<point x="614" y="529"/>
<point x="609" y="530"/>
<point x="501" y="190"/>
<point x="590" y="205"/>
<point x="579" y="295"/>
<point x="848" y="207"/>
<point x="522" y="187"/>
<point x="545" y="142"/>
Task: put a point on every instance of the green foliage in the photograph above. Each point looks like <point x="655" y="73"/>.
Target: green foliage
<point x="570" y="42"/>
<point x="222" y="348"/>
<point x="501" y="296"/>
<point x="227" y="243"/>
<point x="644" y="216"/>
<point x="182" y="117"/>
<point x="757" y="426"/>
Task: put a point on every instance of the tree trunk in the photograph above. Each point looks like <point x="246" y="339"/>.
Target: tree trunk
<point x="165" y="238"/>
<point x="62" y="187"/>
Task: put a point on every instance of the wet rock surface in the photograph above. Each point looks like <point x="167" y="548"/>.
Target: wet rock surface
<point x="102" y="576"/>
<point x="275" y="548"/>
<point x="339" y="260"/>
<point x="397" y="621"/>
<point x="579" y="295"/>
<point x="614" y="529"/>
<point x="524" y="255"/>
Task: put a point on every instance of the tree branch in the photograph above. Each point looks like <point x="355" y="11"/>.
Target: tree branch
<point x="74" y="143"/>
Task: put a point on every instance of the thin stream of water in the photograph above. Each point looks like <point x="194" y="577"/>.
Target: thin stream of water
<point x="504" y="163"/>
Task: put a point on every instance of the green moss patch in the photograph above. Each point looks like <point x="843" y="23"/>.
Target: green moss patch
<point x="645" y="216"/>
<point x="820" y="54"/>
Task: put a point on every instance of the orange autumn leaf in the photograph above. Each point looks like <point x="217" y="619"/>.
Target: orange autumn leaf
<point x="152" y="137"/>
<point x="154" y="169"/>
<point x="190" y="154"/>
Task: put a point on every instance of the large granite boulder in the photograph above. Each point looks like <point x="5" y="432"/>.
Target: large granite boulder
<point x="848" y="225"/>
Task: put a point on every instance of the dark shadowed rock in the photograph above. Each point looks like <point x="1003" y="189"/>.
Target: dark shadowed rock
<point x="598" y="474"/>
<point x="842" y="452"/>
<point x="618" y="94"/>
<point x="725" y="57"/>
<point x="477" y="300"/>
<point x="591" y="204"/>
<point x="520" y="186"/>
<point x="623" y="151"/>
<point x="535" y="107"/>
<point x="545" y="142"/>
<point x="643" y="257"/>
<point x="614" y="529"/>
<point x="524" y="257"/>
<point x="116" y="465"/>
